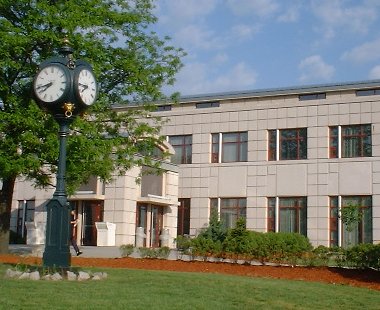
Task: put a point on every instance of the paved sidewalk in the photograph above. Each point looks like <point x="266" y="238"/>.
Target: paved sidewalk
<point x="88" y="251"/>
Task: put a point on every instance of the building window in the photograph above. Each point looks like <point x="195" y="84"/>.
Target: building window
<point x="161" y="108"/>
<point x="272" y="145"/>
<point x="215" y="147"/>
<point x="183" y="149"/>
<point x="350" y="141"/>
<point x="151" y="182"/>
<point x="368" y="92"/>
<point x="205" y="105"/>
<point x="334" y="142"/>
<point x="234" y="146"/>
<point x="287" y="214"/>
<point x="334" y="216"/>
<point x="142" y="218"/>
<point x="229" y="210"/>
<point x="183" y="222"/>
<point x="153" y="152"/>
<point x="357" y="232"/>
<point x="214" y="207"/>
<point x="312" y="96"/>
<point x="25" y="213"/>
<point x="290" y="145"/>
<point x="271" y="216"/>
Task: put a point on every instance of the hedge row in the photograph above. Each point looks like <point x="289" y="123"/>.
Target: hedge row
<point x="365" y="255"/>
<point x="240" y="243"/>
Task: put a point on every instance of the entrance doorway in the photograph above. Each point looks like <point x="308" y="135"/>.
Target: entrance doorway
<point x="25" y="213"/>
<point x="88" y="212"/>
<point x="151" y="218"/>
<point x="92" y="212"/>
<point x="156" y="226"/>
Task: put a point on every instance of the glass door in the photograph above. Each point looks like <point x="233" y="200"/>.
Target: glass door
<point x="150" y="218"/>
<point x="92" y="212"/>
<point x="141" y="218"/>
<point x="157" y="216"/>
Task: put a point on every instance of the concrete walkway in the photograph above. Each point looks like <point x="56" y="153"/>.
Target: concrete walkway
<point x="88" y="251"/>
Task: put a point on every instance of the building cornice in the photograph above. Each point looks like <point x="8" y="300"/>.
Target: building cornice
<point x="263" y="93"/>
<point x="271" y="92"/>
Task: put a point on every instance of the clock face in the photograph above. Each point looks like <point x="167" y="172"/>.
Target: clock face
<point x="51" y="83"/>
<point x="86" y="87"/>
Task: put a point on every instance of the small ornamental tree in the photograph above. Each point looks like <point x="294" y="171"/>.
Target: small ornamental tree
<point x="216" y="230"/>
<point x="351" y="216"/>
<point x="237" y="240"/>
<point x="210" y="239"/>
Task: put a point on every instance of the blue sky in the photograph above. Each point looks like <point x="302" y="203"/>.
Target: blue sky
<point x="235" y="45"/>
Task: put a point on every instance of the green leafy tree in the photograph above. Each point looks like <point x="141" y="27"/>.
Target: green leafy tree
<point x="351" y="216"/>
<point x="131" y="63"/>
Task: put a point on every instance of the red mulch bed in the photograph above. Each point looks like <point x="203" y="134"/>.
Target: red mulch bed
<point x="362" y="278"/>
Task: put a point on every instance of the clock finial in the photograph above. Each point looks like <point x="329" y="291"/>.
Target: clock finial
<point x="66" y="49"/>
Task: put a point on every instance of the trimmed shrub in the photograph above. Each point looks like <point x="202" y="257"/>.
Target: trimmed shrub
<point x="126" y="249"/>
<point x="260" y="246"/>
<point x="320" y="256"/>
<point x="183" y="243"/>
<point x="238" y="240"/>
<point x="241" y="243"/>
<point x="265" y="246"/>
<point x="282" y="246"/>
<point x="147" y="252"/>
<point x="163" y="252"/>
<point x="204" y="246"/>
<point x="210" y="239"/>
<point x="215" y="231"/>
<point x="364" y="255"/>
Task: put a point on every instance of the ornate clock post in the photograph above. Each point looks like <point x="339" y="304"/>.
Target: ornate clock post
<point x="65" y="88"/>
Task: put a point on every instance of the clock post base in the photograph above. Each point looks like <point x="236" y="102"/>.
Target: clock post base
<point x="57" y="248"/>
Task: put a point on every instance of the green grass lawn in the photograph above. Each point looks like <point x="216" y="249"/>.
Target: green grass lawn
<point x="140" y="289"/>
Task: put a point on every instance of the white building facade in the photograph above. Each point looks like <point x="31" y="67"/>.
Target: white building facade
<point x="285" y="159"/>
<point x="122" y="212"/>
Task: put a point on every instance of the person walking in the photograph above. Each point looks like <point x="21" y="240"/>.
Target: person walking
<point x="74" y="223"/>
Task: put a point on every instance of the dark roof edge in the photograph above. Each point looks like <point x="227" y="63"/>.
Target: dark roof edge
<point x="296" y="90"/>
<point x="292" y="90"/>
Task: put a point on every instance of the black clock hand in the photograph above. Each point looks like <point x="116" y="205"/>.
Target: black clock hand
<point x="42" y="88"/>
<point x="84" y="87"/>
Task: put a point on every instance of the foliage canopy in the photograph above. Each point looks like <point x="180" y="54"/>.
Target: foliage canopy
<point x="131" y="64"/>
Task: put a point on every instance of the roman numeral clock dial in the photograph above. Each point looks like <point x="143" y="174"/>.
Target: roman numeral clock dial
<point x="86" y="88"/>
<point x="51" y="83"/>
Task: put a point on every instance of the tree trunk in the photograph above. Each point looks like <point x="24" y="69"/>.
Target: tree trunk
<point x="6" y="194"/>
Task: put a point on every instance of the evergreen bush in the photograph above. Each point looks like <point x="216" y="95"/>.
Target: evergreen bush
<point x="163" y="252"/>
<point x="216" y="230"/>
<point x="364" y="255"/>
<point x="205" y="246"/>
<point x="238" y="240"/>
<point x="183" y="243"/>
<point x="241" y="243"/>
<point x="126" y="249"/>
<point x="147" y="253"/>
